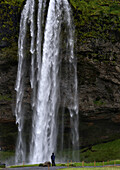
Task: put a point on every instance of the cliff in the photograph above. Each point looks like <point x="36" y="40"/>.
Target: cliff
<point x="97" y="49"/>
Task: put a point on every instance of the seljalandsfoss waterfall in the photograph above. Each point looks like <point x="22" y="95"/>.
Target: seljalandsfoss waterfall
<point x="46" y="85"/>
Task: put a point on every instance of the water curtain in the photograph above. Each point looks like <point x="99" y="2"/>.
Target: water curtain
<point x="47" y="38"/>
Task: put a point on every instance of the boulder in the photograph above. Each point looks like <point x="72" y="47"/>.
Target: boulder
<point x="46" y="164"/>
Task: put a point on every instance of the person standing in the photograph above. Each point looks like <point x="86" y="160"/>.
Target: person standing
<point x="53" y="159"/>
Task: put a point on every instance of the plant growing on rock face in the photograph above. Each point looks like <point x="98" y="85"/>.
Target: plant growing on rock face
<point x="9" y="56"/>
<point x="5" y="98"/>
<point x="99" y="102"/>
<point x="9" y="16"/>
<point x="97" y="20"/>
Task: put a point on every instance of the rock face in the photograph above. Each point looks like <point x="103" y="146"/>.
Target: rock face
<point x="99" y="102"/>
<point x="9" y="28"/>
<point x="98" y="64"/>
<point x="99" y="93"/>
<point x="8" y="129"/>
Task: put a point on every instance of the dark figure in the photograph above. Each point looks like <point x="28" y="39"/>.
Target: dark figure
<point x="53" y="159"/>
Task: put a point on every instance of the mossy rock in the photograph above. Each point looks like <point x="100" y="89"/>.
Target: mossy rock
<point x="10" y="18"/>
<point x="2" y="165"/>
<point x="96" y="20"/>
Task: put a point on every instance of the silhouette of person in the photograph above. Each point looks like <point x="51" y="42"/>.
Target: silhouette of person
<point x="53" y="159"/>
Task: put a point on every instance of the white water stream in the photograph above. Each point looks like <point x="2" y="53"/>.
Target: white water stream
<point x="45" y="78"/>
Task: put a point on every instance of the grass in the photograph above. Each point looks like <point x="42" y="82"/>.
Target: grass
<point x="99" y="168"/>
<point x="74" y="164"/>
<point x="5" y="155"/>
<point x="19" y="166"/>
<point x="102" y="152"/>
<point x="99" y="153"/>
<point x="83" y="168"/>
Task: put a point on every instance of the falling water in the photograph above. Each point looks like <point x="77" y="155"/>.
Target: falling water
<point x="19" y="112"/>
<point x="45" y="50"/>
<point x="72" y="86"/>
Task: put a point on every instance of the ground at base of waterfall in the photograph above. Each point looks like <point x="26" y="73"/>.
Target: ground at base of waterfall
<point x="66" y="168"/>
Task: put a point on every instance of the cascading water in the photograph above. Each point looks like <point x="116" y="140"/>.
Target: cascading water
<point x="45" y="49"/>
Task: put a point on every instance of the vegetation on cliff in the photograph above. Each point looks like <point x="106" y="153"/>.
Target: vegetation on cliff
<point x="10" y="11"/>
<point x="9" y="16"/>
<point x="96" y="7"/>
<point x="97" y="20"/>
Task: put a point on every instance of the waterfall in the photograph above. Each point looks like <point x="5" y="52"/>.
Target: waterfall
<point x="19" y="112"/>
<point x="45" y="46"/>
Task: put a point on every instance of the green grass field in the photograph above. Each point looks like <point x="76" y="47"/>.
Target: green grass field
<point x="74" y="165"/>
<point x="101" y="168"/>
<point x="99" y="153"/>
<point x="102" y="152"/>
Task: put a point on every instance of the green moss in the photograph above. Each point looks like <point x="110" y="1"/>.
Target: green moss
<point x="5" y="97"/>
<point x="10" y="53"/>
<point x="97" y="20"/>
<point x="99" y="102"/>
<point x="96" y="7"/>
<point x="95" y="14"/>
<point x="9" y="17"/>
